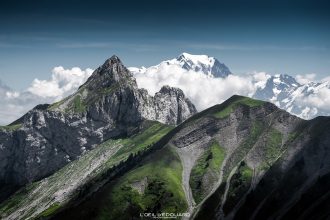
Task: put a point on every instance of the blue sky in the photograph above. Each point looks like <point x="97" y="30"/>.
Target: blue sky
<point x="273" y="36"/>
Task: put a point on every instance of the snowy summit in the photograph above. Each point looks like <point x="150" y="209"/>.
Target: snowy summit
<point x="209" y="66"/>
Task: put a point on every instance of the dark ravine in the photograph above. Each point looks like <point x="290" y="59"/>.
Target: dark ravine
<point x="108" y="105"/>
<point x="242" y="159"/>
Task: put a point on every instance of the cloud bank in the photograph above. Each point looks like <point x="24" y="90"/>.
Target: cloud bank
<point x="317" y="100"/>
<point x="312" y="97"/>
<point x="62" y="83"/>
<point x="202" y="90"/>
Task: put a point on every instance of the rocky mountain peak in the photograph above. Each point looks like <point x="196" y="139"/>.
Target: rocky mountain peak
<point x="113" y="65"/>
<point x="112" y="71"/>
<point x="284" y="79"/>
<point x="220" y="70"/>
<point x="206" y="64"/>
<point x="171" y="91"/>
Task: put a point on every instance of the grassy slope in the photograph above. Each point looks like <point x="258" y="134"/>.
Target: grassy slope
<point x="205" y="172"/>
<point x="163" y="193"/>
<point x="91" y="165"/>
<point x="78" y="103"/>
<point x="233" y="101"/>
<point x="11" y="127"/>
<point x="75" y="105"/>
<point x="273" y="148"/>
<point x="242" y="101"/>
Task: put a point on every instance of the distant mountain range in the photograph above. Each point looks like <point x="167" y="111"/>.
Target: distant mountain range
<point x="283" y="90"/>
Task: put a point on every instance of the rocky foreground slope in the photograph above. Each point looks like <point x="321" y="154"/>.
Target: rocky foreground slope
<point x="108" y="105"/>
<point x="242" y="159"/>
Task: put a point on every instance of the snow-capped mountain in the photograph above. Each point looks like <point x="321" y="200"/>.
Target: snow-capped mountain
<point x="279" y="89"/>
<point x="210" y="66"/>
<point x="303" y="100"/>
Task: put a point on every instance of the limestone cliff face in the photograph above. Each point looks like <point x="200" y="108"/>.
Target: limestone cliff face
<point x="108" y="105"/>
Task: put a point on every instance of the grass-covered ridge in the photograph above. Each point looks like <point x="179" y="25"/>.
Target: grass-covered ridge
<point x="75" y="103"/>
<point x="50" y="211"/>
<point x="69" y="180"/>
<point x="56" y="105"/>
<point x="82" y="99"/>
<point x="11" y="127"/>
<point x="229" y="108"/>
<point x="205" y="172"/>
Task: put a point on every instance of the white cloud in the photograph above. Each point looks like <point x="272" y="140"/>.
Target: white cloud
<point x="62" y="83"/>
<point x="202" y="90"/>
<point x="307" y="112"/>
<point x="305" y="79"/>
<point x="320" y="99"/>
<point x="326" y="79"/>
<point x="260" y="79"/>
<point x="11" y="95"/>
<point x="317" y="100"/>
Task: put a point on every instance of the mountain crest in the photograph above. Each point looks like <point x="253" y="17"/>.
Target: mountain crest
<point x="113" y="64"/>
<point x="111" y="72"/>
<point x="285" y="79"/>
<point x="171" y="90"/>
<point x="203" y="63"/>
<point x="207" y="65"/>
